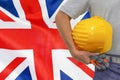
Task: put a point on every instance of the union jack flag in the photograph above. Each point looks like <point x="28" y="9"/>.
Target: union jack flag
<point x="30" y="45"/>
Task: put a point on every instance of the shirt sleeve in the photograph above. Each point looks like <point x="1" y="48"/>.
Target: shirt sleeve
<point x="75" y="8"/>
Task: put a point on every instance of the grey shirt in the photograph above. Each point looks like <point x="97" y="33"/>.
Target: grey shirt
<point x="108" y="9"/>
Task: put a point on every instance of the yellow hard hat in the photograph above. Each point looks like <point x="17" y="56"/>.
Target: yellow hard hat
<point x="93" y="34"/>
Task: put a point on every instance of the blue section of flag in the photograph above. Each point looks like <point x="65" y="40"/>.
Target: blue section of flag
<point x="52" y="5"/>
<point x="9" y="6"/>
<point x="64" y="76"/>
<point x="25" y="75"/>
<point x="87" y="15"/>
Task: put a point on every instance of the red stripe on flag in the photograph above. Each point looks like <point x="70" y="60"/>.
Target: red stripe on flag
<point x="10" y="67"/>
<point x="82" y="66"/>
<point x="4" y="17"/>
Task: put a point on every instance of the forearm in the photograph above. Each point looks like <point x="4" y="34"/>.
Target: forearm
<point x="64" y="27"/>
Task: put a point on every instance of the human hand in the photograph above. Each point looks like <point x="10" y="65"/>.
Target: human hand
<point x="83" y="56"/>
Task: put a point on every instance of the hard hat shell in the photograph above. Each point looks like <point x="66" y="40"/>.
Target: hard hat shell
<point x="93" y="34"/>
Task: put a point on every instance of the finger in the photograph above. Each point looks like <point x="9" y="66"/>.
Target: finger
<point x="94" y="54"/>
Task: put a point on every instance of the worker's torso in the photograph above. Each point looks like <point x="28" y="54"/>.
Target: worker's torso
<point x="110" y="10"/>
